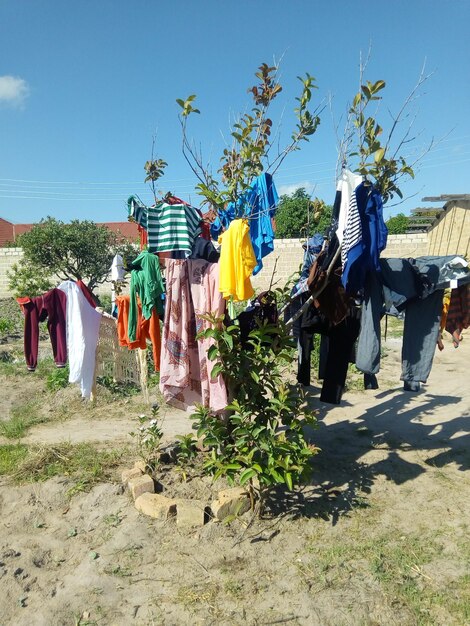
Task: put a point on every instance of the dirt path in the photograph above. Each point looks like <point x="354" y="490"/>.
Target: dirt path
<point x="380" y="537"/>
<point x="107" y="429"/>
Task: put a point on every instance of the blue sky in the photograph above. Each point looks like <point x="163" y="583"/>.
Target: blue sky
<point x="84" y="85"/>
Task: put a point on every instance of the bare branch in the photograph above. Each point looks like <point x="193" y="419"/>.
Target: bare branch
<point x="411" y="96"/>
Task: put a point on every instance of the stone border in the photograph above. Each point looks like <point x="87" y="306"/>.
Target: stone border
<point x="188" y="513"/>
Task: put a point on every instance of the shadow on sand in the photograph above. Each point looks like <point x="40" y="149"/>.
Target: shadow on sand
<point x="394" y="425"/>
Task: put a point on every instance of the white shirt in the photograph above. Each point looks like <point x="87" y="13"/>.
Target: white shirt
<point x="346" y="184"/>
<point x="83" y="327"/>
<point x="117" y="268"/>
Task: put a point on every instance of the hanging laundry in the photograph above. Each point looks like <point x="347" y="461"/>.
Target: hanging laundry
<point x="237" y="261"/>
<point x="172" y="227"/>
<point x="117" y="268"/>
<point x="50" y="306"/>
<point x="185" y="374"/>
<point x="204" y="249"/>
<point x="258" y="204"/>
<point x="330" y="296"/>
<point x="312" y="249"/>
<point x="83" y="326"/>
<point x="206" y="298"/>
<point x="347" y="182"/>
<point x="262" y="310"/>
<point x="146" y="282"/>
<point x="87" y="293"/>
<point x="341" y="340"/>
<point x="442" y="325"/>
<point x="146" y="329"/>
<point x="416" y="287"/>
<point x="138" y="212"/>
<point x="364" y="237"/>
<point x="260" y="207"/>
<point x="458" y="316"/>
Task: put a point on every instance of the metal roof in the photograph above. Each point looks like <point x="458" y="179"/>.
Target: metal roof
<point x="447" y="197"/>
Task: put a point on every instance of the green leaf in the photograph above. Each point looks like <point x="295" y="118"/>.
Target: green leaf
<point x="379" y="155"/>
<point x="288" y="479"/>
<point x="246" y="475"/>
<point x="212" y="353"/>
<point x="380" y="84"/>
<point x="233" y="466"/>
<point x="357" y="99"/>
<point x="366" y="91"/>
<point x="216" y="370"/>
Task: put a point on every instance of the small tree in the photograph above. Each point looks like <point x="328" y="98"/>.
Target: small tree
<point x="298" y="216"/>
<point x="262" y="442"/>
<point x="80" y="250"/>
<point x="376" y="154"/>
<point x="251" y="150"/>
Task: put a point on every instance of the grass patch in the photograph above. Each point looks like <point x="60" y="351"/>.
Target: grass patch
<point x="10" y="366"/>
<point x="58" y="378"/>
<point x="22" y="419"/>
<point x="403" y="568"/>
<point x="83" y="462"/>
<point x="354" y="379"/>
<point x="394" y="326"/>
<point x="10" y="456"/>
<point x="13" y="364"/>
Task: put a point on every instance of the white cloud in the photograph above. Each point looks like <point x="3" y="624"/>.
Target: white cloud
<point x="287" y="190"/>
<point x="13" y="90"/>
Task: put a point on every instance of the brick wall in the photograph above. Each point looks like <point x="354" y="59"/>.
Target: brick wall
<point x="451" y="233"/>
<point x="8" y="256"/>
<point x="404" y="246"/>
<point x="288" y="253"/>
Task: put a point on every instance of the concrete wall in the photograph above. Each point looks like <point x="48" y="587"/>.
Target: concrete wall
<point x="451" y="233"/>
<point x="8" y="256"/>
<point x="406" y="246"/>
<point x="288" y="253"/>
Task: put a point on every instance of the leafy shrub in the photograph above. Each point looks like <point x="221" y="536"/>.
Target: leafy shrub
<point x="58" y="378"/>
<point x="148" y="437"/>
<point x="119" y="389"/>
<point x="6" y="326"/>
<point x="26" y="279"/>
<point x="261" y="442"/>
<point x="106" y="303"/>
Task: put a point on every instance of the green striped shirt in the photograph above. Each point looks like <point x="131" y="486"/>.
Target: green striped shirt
<point x="172" y="227"/>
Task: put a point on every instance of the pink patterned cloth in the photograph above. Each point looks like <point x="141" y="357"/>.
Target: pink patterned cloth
<point x="192" y="288"/>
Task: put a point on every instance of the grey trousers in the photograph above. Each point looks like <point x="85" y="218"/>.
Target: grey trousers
<point x="422" y="318"/>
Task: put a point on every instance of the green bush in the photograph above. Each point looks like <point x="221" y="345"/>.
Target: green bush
<point x="261" y="443"/>
<point x="58" y="378"/>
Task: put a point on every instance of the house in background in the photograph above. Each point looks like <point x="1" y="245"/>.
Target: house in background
<point x="9" y="232"/>
<point x="449" y="233"/>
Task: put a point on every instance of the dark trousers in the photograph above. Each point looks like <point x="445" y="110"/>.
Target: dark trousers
<point x="341" y="340"/>
<point x="336" y="352"/>
<point x="50" y="306"/>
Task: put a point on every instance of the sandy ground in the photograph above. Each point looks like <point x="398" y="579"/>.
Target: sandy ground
<point x="390" y="496"/>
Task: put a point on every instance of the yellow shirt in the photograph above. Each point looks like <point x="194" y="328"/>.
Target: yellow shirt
<point x="237" y="261"/>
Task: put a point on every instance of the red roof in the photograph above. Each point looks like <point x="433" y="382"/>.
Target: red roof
<point x="9" y="231"/>
<point x="128" y="230"/>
